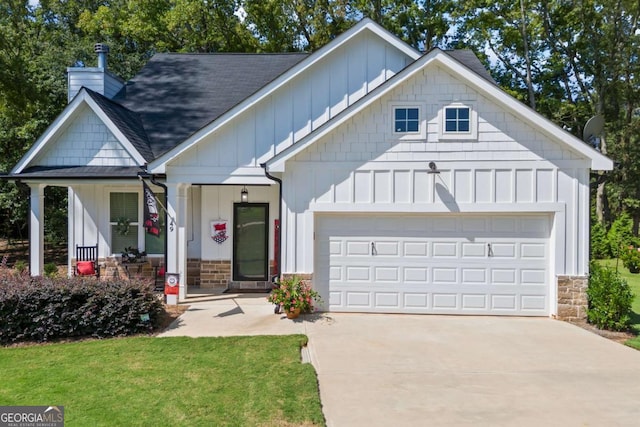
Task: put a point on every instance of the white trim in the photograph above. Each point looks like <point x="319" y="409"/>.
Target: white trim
<point x="159" y="164"/>
<point x="61" y="122"/>
<point x="421" y="134"/>
<point x="488" y="89"/>
<point x="471" y="135"/>
<point x="437" y="207"/>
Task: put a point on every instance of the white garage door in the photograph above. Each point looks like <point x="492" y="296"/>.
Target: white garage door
<point x="455" y="264"/>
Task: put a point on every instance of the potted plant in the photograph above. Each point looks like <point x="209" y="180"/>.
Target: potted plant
<point x="631" y="259"/>
<point x="294" y="296"/>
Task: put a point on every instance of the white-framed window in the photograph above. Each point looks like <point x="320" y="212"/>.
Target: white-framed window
<point x="408" y="120"/>
<point x="125" y="221"/>
<point x="458" y="121"/>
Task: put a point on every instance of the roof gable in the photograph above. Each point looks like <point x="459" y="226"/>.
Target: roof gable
<point x="158" y="165"/>
<point x="464" y="71"/>
<point x="85" y="102"/>
<point x="176" y="94"/>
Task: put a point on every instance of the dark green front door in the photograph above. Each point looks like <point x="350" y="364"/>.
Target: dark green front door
<point x="250" y="241"/>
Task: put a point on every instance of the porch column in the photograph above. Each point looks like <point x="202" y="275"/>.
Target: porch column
<point x="182" y="240"/>
<point x="176" y="234"/>
<point x="36" y="229"/>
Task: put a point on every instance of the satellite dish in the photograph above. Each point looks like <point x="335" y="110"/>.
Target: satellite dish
<point x="593" y="130"/>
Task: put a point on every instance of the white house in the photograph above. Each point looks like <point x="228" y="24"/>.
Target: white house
<point x="395" y="181"/>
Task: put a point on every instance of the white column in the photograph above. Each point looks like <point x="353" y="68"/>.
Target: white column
<point x="182" y="240"/>
<point x="36" y="229"/>
<point x="172" y="228"/>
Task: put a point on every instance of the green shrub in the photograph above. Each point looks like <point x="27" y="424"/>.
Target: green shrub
<point x="609" y="297"/>
<point x="43" y="309"/>
<point x="599" y="242"/>
<point x="631" y="259"/>
<point x="20" y="266"/>
<point x="50" y="269"/>
<point x="620" y="235"/>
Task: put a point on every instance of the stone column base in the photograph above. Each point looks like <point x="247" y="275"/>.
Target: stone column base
<point x="572" y="298"/>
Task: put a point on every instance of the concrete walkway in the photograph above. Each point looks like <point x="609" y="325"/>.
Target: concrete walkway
<point x="414" y="370"/>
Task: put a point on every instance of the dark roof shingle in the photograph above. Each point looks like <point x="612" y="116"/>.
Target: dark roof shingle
<point x="177" y="94"/>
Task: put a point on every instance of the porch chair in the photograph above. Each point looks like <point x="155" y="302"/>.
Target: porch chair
<point x="158" y="274"/>
<point x="87" y="261"/>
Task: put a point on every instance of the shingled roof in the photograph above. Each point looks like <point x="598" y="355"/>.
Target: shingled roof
<point x="175" y="94"/>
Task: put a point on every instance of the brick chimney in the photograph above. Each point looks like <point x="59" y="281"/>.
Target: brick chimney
<point x="98" y="79"/>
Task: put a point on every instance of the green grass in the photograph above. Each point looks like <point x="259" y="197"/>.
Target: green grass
<point x="634" y="282"/>
<point x="144" y="381"/>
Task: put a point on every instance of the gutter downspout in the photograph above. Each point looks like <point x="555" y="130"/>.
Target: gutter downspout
<point x="152" y="178"/>
<point x="279" y="181"/>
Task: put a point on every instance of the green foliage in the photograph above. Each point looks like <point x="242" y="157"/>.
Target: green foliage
<point x="20" y="266"/>
<point x="620" y="235"/>
<point x="631" y="259"/>
<point x="43" y="309"/>
<point x="609" y="298"/>
<point x="599" y="241"/>
<point x="50" y="270"/>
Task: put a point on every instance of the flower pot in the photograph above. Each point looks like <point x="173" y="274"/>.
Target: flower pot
<point x="293" y="314"/>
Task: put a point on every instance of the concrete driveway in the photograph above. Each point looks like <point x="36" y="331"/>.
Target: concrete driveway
<point x="416" y="370"/>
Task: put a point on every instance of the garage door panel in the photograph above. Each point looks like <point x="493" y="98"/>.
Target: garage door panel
<point x="445" y="275"/>
<point x="416" y="300"/>
<point x="357" y="248"/>
<point x="445" y="249"/>
<point x="416" y="249"/>
<point x="445" y="301"/>
<point x="456" y="264"/>
<point x="533" y="302"/>
<point x="357" y="273"/>
<point x="387" y="299"/>
<point x="415" y="274"/>
<point x="503" y="302"/>
<point x="386" y="274"/>
<point x="503" y="250"/>
<point x="474" y="301"/>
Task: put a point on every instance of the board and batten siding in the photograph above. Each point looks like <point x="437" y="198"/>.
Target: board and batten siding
<point x="86" y="141"/>
<point x="363" y="166"/>
<point x="291" y="112"/>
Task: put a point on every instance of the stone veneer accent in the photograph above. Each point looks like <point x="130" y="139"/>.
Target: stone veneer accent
<point x="193" y="272"/>
<point x="215" y="273"/>
<point x="302" y="276"/>
<point x="572" y="297"/>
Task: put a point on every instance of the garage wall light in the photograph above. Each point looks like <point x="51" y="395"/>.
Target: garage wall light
<point x="433" y="168"/>
<point x="244" y="195"/>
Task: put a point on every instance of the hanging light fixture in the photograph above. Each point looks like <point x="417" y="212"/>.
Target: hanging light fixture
<point x="244" y="195"/>
<point x="433" y="168"/>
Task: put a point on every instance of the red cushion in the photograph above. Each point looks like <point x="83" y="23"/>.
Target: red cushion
<point x="161" y="272"/>
<point x="86" y="268"/>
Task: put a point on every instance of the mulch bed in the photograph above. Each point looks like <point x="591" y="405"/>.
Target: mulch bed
<point x="619" y="337"/>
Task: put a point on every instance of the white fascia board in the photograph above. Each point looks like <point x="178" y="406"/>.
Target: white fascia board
<point x="50" y="132"/>
<point x="59" y="123"/>
<point x="526" y="114"/>
<point x="158" y="165"/>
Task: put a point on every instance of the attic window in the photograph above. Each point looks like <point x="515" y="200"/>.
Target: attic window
<point x="457" y="120"/>
<point x="406" y="120"/>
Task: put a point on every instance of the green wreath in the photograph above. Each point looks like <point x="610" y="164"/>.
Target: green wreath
<point x="122" y="225"/>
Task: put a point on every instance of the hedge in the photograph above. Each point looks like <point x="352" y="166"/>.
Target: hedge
<point x="42" y="309"/>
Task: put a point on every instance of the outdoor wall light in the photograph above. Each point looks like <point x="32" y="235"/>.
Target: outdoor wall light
<point x="244" y="194"/>
<point x="433" y="168"/>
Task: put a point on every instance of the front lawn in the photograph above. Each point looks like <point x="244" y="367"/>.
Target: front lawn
<point x="634" y="282"/>
<point x="144" y="381"/>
